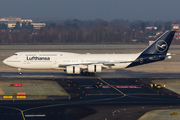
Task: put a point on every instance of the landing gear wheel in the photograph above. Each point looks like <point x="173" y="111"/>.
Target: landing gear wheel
<point x="19" y="71"/>
<point x="82" y="73"/>
<point x="93" y="73"/>
<point x="87" y="73"/>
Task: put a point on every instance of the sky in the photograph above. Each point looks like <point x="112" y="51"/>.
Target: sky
<point x="164" y="10"/>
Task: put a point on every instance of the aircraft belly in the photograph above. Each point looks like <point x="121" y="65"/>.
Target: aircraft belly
<point x="120" y="65"/>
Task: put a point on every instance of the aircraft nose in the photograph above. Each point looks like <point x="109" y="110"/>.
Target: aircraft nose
<point x="5" y="61"/>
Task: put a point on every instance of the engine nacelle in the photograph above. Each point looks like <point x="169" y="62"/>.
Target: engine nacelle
<point x="94" y="68"/>
<point x="73" y="69"/>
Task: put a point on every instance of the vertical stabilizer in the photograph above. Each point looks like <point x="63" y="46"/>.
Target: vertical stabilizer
<point x="161" y="44"/>
<point x="157" y="51"/>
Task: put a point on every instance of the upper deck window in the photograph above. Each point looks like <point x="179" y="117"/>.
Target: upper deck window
<point x="15" y="54"/>
<point x="48" y="55"/>
<point x="30" y="54"/>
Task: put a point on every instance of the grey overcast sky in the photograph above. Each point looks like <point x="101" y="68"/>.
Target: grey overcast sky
<point x="92" y="9"/>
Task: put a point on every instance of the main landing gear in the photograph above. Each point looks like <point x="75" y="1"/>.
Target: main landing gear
<point x="87" y="73"/>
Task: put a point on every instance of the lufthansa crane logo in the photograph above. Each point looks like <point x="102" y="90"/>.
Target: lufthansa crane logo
<point x="161" y="46"/>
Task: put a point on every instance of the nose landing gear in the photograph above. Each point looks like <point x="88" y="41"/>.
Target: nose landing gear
<point x="19" y="71"/>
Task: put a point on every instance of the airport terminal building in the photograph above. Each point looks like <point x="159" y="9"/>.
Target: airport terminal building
<point x="11" y="22"/>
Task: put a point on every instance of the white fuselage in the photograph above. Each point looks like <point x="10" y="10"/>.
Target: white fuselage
<point x="57" y="60"/>
<point x="74" y="63"/>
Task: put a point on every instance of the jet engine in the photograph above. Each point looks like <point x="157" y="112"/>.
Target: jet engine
<point x="94" y="68"/>
<point x="73" y="69"/>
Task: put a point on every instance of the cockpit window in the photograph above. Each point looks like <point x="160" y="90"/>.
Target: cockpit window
<point x="14" y="54"/>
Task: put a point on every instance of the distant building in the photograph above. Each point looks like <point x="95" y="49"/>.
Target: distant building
<point x="177" y="36"/>
<point x="152" y="36"/>
<point x="38" y="25"/>
<point x="155" y="35"/>
<point x="27" y="20"/>
<point x="11" y="19"/>
<point x="151" y="42"/>
<point x="11" y="22"/>
<point x="150" y="28"/>
<point x="175" y="26"/>
<point x="158" y="33"/>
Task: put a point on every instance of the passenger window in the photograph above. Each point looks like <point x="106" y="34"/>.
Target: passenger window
<point x="14" y="54"/>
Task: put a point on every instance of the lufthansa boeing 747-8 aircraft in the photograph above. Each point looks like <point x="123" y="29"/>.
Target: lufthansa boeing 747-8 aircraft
<point x="74" y="63"/>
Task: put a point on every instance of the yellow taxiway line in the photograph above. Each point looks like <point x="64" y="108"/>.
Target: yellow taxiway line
<point x="35" y="115"/>
<point x="111" y="86"/>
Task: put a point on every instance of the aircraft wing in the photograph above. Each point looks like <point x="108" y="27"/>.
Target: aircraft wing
<point x="109" y="64"/>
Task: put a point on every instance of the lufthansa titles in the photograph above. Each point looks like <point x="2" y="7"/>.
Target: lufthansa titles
<point x="38" y="58"/>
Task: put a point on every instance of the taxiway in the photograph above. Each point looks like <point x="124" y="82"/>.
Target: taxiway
<point x="121" y="97"/>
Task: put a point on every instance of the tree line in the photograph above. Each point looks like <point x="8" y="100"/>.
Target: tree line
<point x="76" y="31"/>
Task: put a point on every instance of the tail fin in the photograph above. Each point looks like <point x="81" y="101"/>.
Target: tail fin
<point x="161" y="45"/>
<point x="155" y="52"/>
